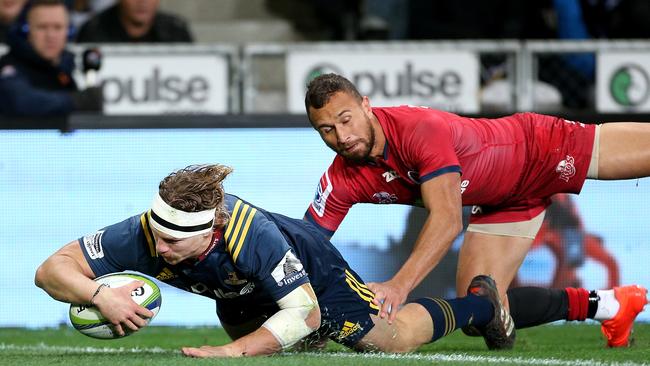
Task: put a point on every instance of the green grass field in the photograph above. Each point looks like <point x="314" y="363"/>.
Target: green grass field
<point x="547" y="345"/>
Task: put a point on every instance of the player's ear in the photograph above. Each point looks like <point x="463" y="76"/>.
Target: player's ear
<point x="365" y="104"/>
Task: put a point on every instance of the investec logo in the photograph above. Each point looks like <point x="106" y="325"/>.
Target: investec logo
<point x="156" y="87"/>
<point x="629" y="85"/>
<point x="407" y="82"/>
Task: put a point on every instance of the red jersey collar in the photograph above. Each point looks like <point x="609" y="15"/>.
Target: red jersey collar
<point x="216" y="238"/>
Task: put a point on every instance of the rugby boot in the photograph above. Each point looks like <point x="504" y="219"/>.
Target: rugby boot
<point x="499" y="333"/>
<point x="617" y="330"/>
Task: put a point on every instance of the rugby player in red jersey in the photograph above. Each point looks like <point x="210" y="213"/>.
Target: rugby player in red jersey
<point x="506" y="168"/>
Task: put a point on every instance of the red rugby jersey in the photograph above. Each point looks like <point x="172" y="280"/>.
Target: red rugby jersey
<point x="423" y="143"/>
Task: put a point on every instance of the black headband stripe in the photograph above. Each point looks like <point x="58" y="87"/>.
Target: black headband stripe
<point x="187" y="229"/>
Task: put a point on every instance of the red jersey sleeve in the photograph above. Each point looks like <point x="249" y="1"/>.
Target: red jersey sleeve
<point x="430" y="148"/>
<point x="331" y="203"/>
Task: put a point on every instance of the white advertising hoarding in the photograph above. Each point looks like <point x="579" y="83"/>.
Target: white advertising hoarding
<point x="156" y="84"/>
<point x="442" y="80"/>
<point x="623" y="82"/>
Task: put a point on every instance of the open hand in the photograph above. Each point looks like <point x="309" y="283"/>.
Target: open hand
<point x="389" y="296"/>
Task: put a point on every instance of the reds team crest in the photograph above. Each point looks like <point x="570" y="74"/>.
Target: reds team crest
<point x="566" y="168"/>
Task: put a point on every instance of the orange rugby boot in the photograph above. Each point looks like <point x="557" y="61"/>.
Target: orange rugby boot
<point x="617" y="330"/>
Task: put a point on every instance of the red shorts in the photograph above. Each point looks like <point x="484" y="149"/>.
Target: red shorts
<point x="558" y="154"/>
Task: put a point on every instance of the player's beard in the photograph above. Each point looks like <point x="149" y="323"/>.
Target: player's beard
<point x="361" y="155"/>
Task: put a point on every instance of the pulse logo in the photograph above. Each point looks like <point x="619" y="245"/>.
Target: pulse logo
<point x="409" y="82"/>
<point x="157" y="87"/>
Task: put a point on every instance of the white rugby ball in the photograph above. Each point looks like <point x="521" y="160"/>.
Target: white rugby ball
<point x="89" y="321"/>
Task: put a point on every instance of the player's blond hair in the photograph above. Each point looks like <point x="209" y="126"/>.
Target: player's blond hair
<point x="197" y="188"/>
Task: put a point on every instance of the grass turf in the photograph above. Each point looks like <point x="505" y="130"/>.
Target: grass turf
<point x="569" y="344"/>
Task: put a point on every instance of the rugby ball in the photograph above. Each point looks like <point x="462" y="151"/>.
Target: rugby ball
<point x="89" y="321"/>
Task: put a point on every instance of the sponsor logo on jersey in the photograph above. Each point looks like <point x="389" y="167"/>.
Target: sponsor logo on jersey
<point x="221" y="294"/>
<point x="463" y="186"/>
<point x="166" y="274"/>
<point x="384" y="197"/>
<point x="566" y="168"/>
<point x="390" y="175"/>
<point x="93" y="245"/>
<point x="233" y="280"/>
<point x="348" y="328"/>
<point x="322" y="192"/>
<point x="247" y="289"/>
<point x="477" y="210"/>
<point x="288" y="270"/>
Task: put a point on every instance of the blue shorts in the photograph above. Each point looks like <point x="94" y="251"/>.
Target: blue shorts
<point x="346" y="306"/>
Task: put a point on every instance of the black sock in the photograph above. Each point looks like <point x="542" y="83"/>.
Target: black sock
<point x="531" y="306"/>
<point x="449" y="315"/>
<point x="593" y="304"/>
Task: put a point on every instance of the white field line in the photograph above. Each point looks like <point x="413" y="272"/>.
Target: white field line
<point x="449" y="358"/>
<point x="89" y="350"/>
<point x="462" y="357"/>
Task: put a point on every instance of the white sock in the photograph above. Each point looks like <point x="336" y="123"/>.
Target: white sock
<point x="607" y="305"/>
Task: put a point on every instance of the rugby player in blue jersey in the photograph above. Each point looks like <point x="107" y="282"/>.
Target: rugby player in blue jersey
<point x="276" y="280"/>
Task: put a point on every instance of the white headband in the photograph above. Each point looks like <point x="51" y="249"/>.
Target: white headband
<point x="179" y="224"/>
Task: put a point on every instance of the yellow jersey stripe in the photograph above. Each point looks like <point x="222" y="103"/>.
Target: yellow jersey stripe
<point x="231" y="223"/>
<point x="144" y="221"/>
<point x="242" y="237"/>
<point x="236" y="232"/>
<point x="361" y="286"/>
<point x="354" y="288"/>
<point x="364" y="297"/>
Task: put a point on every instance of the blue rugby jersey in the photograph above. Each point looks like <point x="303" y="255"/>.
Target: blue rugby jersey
<point x="257" y="259"/>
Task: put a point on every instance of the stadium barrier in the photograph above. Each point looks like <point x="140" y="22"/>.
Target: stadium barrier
<point x="467" y="77"/>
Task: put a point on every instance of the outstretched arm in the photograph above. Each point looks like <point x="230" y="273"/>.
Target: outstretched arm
<point x="442" y="197"/>
<point x="67" y="277"/>
<point x="299" y="315"/>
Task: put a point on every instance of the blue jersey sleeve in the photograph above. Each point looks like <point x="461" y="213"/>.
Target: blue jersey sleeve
<point x="260" y="251"/>
<point x="119" y="247"/>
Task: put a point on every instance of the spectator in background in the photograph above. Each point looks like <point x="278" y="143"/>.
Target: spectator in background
<point x="132" y="21"/>
<point x="9" y="11"/>
<point x="36" y="75"/>
<point x="82" y="10"/>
